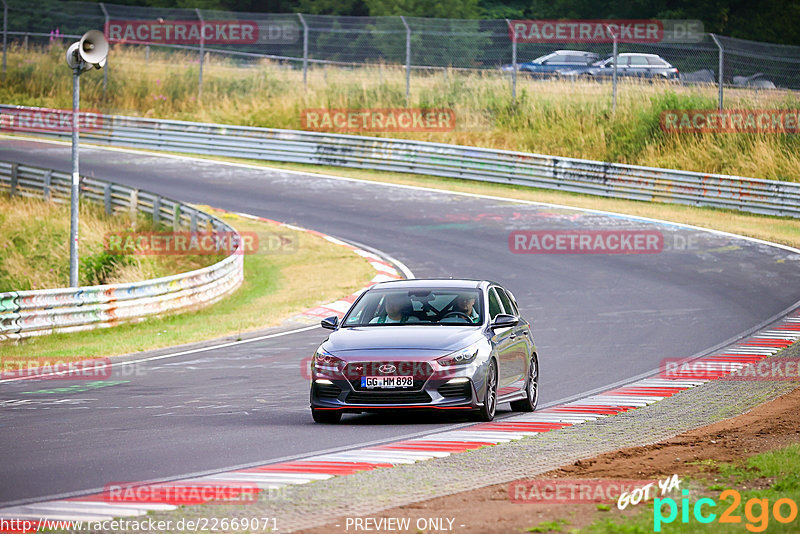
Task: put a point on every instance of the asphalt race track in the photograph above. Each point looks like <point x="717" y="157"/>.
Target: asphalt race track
<point x="598" y="319"/>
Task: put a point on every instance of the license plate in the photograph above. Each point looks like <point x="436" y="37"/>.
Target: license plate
<point x="388" y="382"/>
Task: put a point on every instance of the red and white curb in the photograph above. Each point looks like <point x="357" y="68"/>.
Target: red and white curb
<point x="269" y="477"/>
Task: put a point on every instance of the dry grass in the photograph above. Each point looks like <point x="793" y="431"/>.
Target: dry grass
<point x="34" y="247"/>
<point x="562" y="118"/>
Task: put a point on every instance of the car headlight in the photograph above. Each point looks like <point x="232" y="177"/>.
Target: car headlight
<point x="324" y="361"/>
<point x="460" y="357"/>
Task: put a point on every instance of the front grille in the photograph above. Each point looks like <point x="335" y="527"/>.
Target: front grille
<point x="327" y="390"/>
<point x="421" y="371"/>
<point x="383" y="397"/>
<point x="455" y="390"/>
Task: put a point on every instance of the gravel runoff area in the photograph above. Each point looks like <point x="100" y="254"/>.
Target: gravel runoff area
<point x="306" y="506"/>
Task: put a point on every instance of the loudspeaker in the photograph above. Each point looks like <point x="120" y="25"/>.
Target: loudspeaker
<point x="93" y="48"/>
<point x="90" y="51"/>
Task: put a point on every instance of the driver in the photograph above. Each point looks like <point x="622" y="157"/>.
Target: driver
<point x="465" y="303"/>
<point x="397" y="306"/>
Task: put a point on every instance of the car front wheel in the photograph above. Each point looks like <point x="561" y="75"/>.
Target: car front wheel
<point x="528" y="404"/>
<point x="486" y="412"/>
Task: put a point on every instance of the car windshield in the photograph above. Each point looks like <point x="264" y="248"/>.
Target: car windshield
<point x="391" y="307"/>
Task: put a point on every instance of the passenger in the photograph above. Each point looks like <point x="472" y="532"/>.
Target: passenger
<point x="465" y="303"/>
<point x="397" y="307"/>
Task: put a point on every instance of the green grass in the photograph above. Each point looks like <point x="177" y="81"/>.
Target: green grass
<point x="549" y="526"/>
<point x="771" y="475"/>
<point x="275" y="287"/>
<point x="562" y="118"/>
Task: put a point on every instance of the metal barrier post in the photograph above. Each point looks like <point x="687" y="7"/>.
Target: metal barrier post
<point x="408" y="60"/>
<point x="48" y="176"/>
<point x="14" y="179"/>
<point x="721" y="70"/>
<point x="202" y="53"/>
<point x="305" y="50"/>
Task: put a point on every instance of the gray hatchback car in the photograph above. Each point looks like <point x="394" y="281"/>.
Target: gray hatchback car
<point x="458" y="345"/>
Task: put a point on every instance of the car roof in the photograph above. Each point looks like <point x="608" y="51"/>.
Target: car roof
<point x="638" y="54"/>
<point x="573" y="52"/>
<point x="445" y="283"/>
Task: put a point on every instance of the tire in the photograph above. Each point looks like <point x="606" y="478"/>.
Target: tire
<point x="528" y="404"/>
<point x="486" y="412"/>
<point x="328" y="417"/>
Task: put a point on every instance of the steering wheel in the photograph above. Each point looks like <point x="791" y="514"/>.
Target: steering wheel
<point x="458" y="313"/>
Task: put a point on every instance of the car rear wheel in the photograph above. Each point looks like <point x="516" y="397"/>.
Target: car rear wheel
<point x="329" y="417"/>
<point x="528" y="404"/>
<point x="486" y="412"/>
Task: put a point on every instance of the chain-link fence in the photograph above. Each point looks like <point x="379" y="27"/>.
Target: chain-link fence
<point x="416" y="45"/>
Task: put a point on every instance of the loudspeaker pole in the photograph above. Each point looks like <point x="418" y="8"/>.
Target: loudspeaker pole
<point x="90" y="51"/>
<point x="76" y="180"/>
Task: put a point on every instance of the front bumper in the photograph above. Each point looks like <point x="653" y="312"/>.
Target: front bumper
<point x="443" y="389"/>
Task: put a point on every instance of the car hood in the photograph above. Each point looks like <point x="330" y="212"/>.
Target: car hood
<point x="413" y="341"/>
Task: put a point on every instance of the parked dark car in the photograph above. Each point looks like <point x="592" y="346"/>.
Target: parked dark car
<point x="447" y="345"/>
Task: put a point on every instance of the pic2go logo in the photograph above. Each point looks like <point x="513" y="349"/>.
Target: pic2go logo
<point x="756" y="511"/>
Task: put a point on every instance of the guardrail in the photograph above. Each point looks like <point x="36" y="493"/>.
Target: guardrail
<point x="40" y="312"/>
<point x="613" y="180"/>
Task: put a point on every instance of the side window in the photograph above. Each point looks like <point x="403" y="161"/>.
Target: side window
<point x="638" y="61"/>
<point x="506" y="302"/>
<point x="494" y="304"/>
<point x="513" y="302"/>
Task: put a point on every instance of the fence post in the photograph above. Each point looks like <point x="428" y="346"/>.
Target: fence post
<point x="614" y="78"/>
<point x="105" y="66"/>
<point x="202" y="53"/>
<point x="48" y="178"/>
<point x="408" y="60"/>
<point x="5" y="36"/>
<point x="25" y="41"/>
<point x="305" y="51"/>
<point x="721" y="70"/>
<point x="513" y="62"/>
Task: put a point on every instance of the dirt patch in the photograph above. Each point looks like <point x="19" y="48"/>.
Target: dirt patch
<point x="490" y="510"/>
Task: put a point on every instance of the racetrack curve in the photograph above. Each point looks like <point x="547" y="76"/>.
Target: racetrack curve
<point x="598" y="319"/>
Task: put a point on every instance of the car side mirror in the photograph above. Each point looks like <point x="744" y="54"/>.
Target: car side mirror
<point x="330" y="323"/>
<point x="503" y="320"/>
